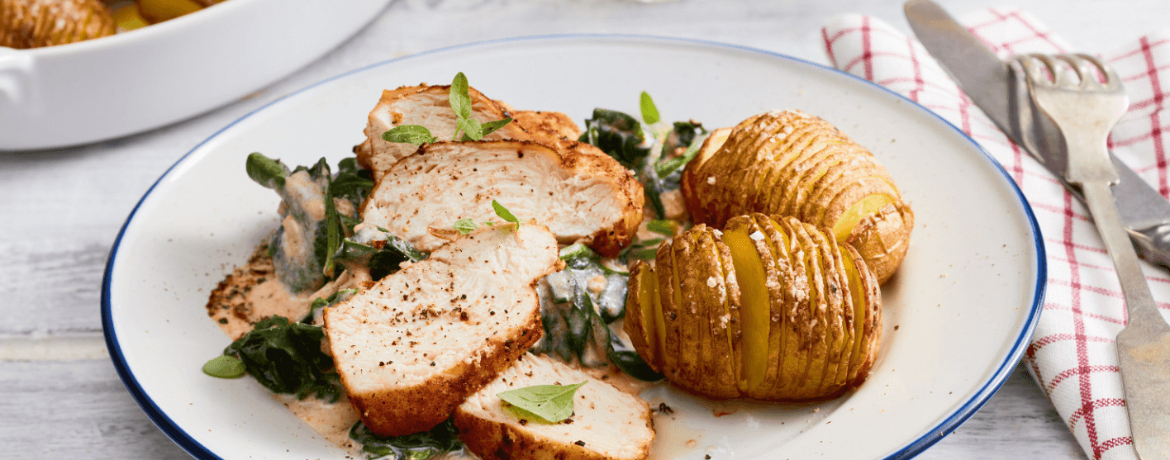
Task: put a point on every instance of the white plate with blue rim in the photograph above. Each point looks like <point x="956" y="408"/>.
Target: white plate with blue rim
<point x="957" y="316"/>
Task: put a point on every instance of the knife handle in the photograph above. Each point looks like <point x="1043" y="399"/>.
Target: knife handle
<point x="1153" y="243"/>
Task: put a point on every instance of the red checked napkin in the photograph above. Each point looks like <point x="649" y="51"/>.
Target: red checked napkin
<point x="1073" y="355"/>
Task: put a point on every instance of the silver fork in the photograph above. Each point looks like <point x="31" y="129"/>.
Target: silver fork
<point x="1086" y="110"/>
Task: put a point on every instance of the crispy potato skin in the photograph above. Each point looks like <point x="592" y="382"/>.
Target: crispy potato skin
<point x="793" y="164"/>
<point x="397" y="412"/>
<point x="37" y="23"/>
<point x="820" y="343"/>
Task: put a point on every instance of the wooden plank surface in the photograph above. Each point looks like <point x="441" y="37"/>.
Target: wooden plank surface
<point x="61" y="210"/>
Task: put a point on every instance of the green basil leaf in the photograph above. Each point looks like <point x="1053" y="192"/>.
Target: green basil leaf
<point x="267" y="172"/>
<point x="649" y="110"/>
<point x="663" y="227"/>
<point x="504" y="213"/>
<point x="472" y="129"/>
<point x="460" y="96"/>
<point x="409" y="134"/>
<point x="550" y="403"/>
<point x="465" y="226"/>
<point x="492" y="126"/>
<point x="224" y="367"/>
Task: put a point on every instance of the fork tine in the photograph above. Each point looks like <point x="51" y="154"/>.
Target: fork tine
<point x="1032" y="70"/>
<point x="1112" y="81"/>
<point x="1081" y="64"/>
<point x="1060" y="76"/>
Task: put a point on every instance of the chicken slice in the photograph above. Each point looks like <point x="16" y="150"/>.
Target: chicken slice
<point x="413" y="346"/>
<point x="580" y="193"/>
<point x="606" y="423"/>
<point x="430" y="106"/>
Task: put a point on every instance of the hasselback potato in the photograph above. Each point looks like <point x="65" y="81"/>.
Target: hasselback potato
<point x="770" y="308"/>
<point x="794" y="164"/>
<point x="37" y="23"/>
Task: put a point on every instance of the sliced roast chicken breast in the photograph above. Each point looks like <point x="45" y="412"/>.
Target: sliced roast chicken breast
<point x="429" y="106"/>
<point x="413" y="346"/>
<point x="580" y="193"/>
<point x="606" y="423"/>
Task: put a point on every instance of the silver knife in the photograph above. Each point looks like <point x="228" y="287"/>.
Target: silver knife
<point x="996" y="88"/>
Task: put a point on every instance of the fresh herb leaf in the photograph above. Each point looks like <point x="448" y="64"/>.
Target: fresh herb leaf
<point x="267" y="172"/>
<point x="504" y="213"/>
<point x="465" y="226"/>
<point x="472" y="129"/>
<point x="649" y="110"/>
<point x="287" y="358"/>
<point x="550" y="403"/>
<point x="409" y="134"/>
<point x="441" y="439"/>
<point x="460" y="96"/>
<point x="664" y="227"/>
<point x="224" y="367"/>
<point x="492" y="126"/>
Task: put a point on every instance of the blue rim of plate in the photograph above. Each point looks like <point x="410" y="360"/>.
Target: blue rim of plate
<point x="927" y="439"/>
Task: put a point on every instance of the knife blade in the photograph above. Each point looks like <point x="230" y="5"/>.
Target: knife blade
<point x="996" y="88"/>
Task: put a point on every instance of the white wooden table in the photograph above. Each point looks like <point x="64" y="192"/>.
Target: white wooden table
<point x="60" y="210"/>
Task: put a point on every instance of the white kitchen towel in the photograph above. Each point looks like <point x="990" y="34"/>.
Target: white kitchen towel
<point x="1073" y="355"/>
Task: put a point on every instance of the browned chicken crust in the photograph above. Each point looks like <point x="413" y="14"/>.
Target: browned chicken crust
<point x="606" y="424"/>
<point x="413" y="346"/>
<point x="578" y="191"/>
<point x="429" y="106"/>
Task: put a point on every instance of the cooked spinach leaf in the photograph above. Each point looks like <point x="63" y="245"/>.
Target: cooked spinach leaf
<point x="383" y="256"/>
<point x="686" y="135"/>
<point x="287" y="358"/>
<point x="266" y="171"/>
<point x="622" y="137"/>
<point x="578" y="322"/>
<point x="322" y="303"/>
<point x="419" y="446"/>
<point x="302" y="248"/>
<point x="619" y="135"/>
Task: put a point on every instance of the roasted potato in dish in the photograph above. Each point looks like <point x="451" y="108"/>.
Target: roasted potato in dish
<point x="37" y="23"/>
<point x="794" y="164"/>
<point x="770" y="308"/>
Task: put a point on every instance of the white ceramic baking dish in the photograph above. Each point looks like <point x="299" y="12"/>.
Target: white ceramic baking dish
<point x="134" y="81"/>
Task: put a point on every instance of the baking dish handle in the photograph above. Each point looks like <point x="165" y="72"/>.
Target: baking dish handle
<point x="16" y="69"/>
